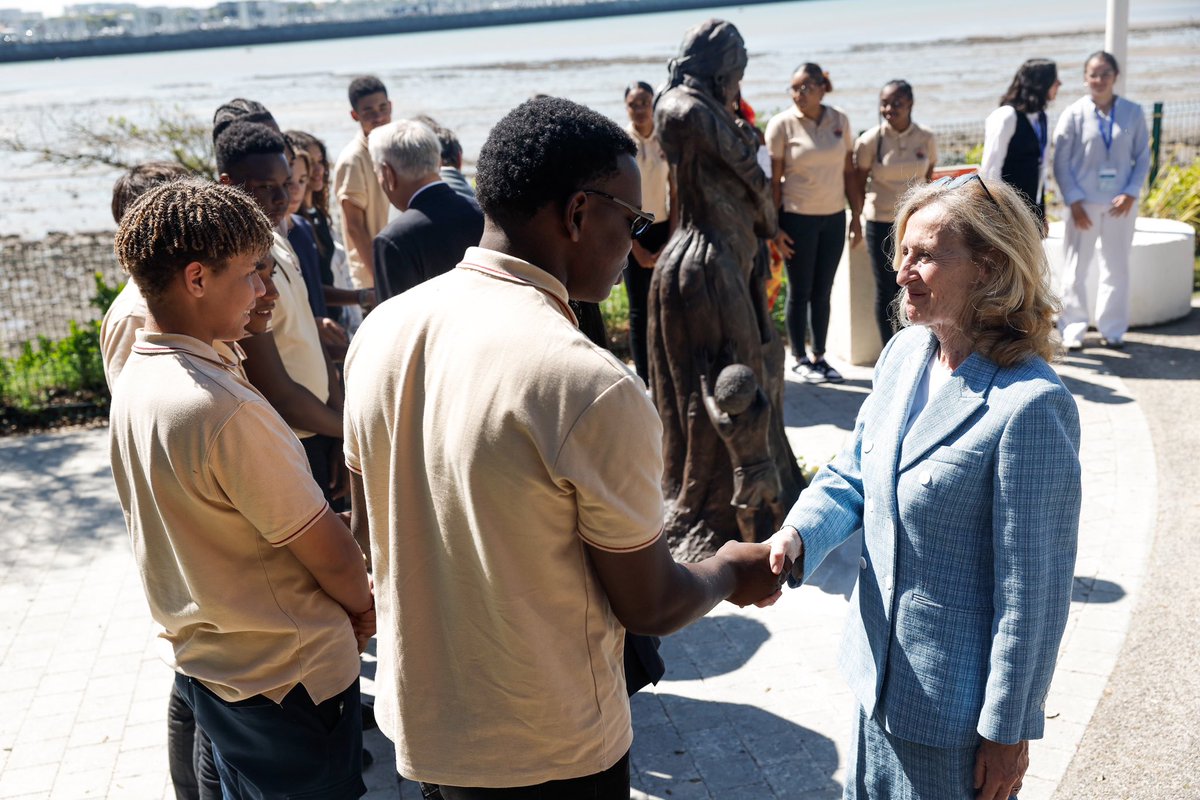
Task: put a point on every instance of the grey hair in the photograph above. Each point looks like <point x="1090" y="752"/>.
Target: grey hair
<point x="409" y="147"/>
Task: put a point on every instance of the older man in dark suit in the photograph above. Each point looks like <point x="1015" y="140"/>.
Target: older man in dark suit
<point x="436" y="225"/>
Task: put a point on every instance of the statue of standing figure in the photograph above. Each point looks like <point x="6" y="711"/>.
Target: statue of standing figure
<point x="708" y="311"/>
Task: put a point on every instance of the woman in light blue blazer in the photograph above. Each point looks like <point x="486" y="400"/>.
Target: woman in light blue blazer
<point x="963" y="473"/>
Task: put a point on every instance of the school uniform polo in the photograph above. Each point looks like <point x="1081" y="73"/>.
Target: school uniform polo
<point x="118" y="333"/>
<point x="814" y="159"/>
<point x="214" y="487"/>
<point x="295" y="328"/>
<point x="354" y="181"/>
<point x="496" y="443"/>
<point x="897" y="160"/>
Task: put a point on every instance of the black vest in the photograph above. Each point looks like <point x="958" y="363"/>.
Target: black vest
<point x="1023" y="162"/>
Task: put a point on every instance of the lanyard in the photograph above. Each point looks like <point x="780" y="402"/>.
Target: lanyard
<point x="1107" y="134"/>
<point x="1039" y="130"/>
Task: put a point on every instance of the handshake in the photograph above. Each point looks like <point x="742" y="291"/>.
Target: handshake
<point x="760" y="569"/>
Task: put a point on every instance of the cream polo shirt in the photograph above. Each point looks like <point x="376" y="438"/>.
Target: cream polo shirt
<point x="897" y="161"/>
<point x="214" y="486"/>
<point x="656" y="174"/>
<point x="295" y="328"/>
<point x="118" y="331"/>
<point x="492" y="455"/>
<point x="814" y="159"/>
<point x="354" y="180"/>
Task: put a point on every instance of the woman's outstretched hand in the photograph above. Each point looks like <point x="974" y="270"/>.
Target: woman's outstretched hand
<point x="786" y="549"/>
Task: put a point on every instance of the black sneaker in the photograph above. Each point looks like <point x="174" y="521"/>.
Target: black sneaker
<point x="802" y="367"/>
<point x="823" y="372"/>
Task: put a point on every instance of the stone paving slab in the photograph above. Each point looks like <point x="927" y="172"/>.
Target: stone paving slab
<point x="752" y="705"/>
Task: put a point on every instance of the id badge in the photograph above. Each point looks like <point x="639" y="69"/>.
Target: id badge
<point x="1108" y="179"/>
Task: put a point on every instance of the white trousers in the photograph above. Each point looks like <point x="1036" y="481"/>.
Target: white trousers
<point x="1115" y="235"/>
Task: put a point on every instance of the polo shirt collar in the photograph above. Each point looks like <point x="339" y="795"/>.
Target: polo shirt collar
<point x="825" y="116"/>
<point x="156" y="344"/>
<point x="504" y="267"/>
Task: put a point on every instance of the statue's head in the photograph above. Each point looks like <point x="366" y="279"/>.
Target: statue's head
<point x="736" y="389"/>
<point x="714" y="56"/>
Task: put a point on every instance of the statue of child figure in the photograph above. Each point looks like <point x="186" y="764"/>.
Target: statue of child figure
<point x="740" y="411"/>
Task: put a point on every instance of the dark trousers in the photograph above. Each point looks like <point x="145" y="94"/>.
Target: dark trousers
<point x="817" y="242"/>
<point x="189" y="753"/>
<point x="881" y="246"/>
<point x="637" y="289"/>
<point x="321" y="452"/>
<point x="296" y="749"/>
<point x="611" y="784"/>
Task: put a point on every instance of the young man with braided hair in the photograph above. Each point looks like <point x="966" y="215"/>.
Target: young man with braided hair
<point x="259" y="589"/>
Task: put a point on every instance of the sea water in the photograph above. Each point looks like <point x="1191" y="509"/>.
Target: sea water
<point x="959" y="56"/>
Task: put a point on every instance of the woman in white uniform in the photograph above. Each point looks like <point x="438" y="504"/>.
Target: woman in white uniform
<point x="1101" y="157"/>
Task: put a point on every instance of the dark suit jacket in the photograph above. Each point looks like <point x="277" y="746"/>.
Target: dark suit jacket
<point x="426" y="240"/>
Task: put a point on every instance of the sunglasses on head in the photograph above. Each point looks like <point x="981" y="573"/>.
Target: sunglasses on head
<point x="641" y="219"/>
<point x="962" y="180"/>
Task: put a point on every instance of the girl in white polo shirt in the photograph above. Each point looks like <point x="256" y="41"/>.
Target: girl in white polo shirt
<point x="812" y="173"/>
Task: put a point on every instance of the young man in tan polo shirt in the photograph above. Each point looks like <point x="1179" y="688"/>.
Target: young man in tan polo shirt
<point x="509" y="471"/>
<point x="364" y="206"/>
<point x="288" y="364"/>
<point x="259" y="588"/>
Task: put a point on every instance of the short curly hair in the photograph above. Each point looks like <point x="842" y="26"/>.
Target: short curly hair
<point x="362" y="86"/>
<point x="243" y="139"/>
<point x="541" y="152"/>
<point x="141" y="179"/>
<point x="240" y="109"/>
<point x="183" y="221"/>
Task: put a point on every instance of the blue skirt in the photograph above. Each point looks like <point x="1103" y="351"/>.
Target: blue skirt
<point x="885" y="767"/>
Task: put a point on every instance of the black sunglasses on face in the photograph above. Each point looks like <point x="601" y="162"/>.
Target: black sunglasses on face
<point x="962" y="180"/>
<point x="641" y="219"/>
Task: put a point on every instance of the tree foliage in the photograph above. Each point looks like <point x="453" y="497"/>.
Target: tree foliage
<point x="120" y="142"/>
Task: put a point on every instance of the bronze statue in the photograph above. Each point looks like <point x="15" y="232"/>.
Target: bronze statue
<point x="708" y="309"/>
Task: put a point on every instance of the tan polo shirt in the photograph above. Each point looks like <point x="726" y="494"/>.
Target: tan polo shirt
<point x="492" y="455"/>
<point x="214" y="486"/>
<point x="118" y="332"/>
<point x="656" y="174"/>
<point x="814" y="159"/>
<point x="897" y="160"/>
<point x="295" y="328"/>
<point x="354" y="180"/>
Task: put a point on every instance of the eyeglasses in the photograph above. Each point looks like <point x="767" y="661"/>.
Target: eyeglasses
<point x="962" y="180"/>
<point x="805" y="88"/>
<point x="641" y="219"/>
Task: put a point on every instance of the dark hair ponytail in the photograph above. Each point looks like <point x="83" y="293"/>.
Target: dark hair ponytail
<point x="1030" y="87"/>
<point x="1104" y="56"/>
<point x="636" y="85"/>
<point x="900" y="85"/>
<point x="814" y="71"/>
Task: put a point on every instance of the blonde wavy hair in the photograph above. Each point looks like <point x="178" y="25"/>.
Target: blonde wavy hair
<point x="1010" y="314"/>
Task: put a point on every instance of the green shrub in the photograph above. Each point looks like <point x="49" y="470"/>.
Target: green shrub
<point x="64" y="371"/>
<point x="1176" y="195"/>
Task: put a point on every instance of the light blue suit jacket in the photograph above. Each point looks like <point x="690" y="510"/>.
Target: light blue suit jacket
<point x="970" y="526"/>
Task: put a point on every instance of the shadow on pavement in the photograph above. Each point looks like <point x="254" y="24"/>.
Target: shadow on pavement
<point x="687" y="748"/>
<point x="1089" y="391"/>
<point x="1095" y="590"/>
<point x="807" y="405"/>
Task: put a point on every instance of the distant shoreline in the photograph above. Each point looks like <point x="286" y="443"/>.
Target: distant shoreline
<point x="246" y="37"/>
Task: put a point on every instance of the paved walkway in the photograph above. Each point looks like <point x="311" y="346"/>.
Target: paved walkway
<point x="752" y="706"/>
